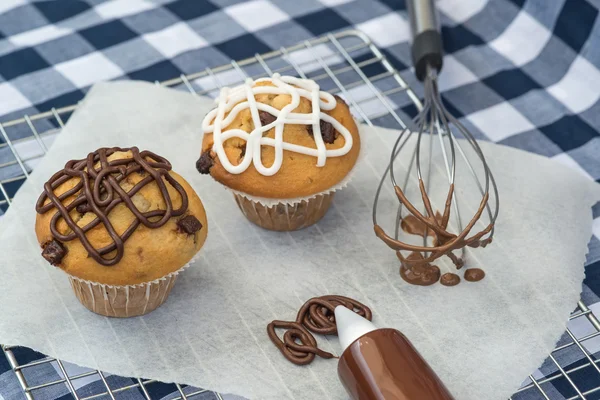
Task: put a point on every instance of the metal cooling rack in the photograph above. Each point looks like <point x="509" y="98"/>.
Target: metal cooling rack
<point x="347" y="63"/>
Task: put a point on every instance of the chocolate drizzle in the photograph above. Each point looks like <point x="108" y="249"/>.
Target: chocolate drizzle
<point x="316" y="315"/>
<point x="411" y="224"/>
<point x="99" y="192"/>
<point x="299" y="353"/>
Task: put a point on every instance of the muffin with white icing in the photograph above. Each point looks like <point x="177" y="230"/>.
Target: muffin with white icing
<point x="282" y="146"/>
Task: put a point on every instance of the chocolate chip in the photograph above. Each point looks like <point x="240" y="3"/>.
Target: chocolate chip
<point x="53" y="251"/>
<point x="204" y="163"/>
<point x="189" y="224"/>
<point x="339" y="99"/>
<point x="327" y="131"/>
<point x="83" y="208"/>
<point x="266" y="118"/>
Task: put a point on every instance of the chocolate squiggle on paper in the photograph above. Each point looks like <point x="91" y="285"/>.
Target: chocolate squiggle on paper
<point x="316" y="315"/>
<point x="98" y="192"/>
<point x="299" y="353"/>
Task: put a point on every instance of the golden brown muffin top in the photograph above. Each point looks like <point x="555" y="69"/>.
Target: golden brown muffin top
<point x="298" y="174"/>
<point x="119" y="217"/>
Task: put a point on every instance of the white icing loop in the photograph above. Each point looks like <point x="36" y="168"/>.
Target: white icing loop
<point x="232" y="101"/>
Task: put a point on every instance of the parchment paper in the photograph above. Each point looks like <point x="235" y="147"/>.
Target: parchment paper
<point x="482" y="339"/>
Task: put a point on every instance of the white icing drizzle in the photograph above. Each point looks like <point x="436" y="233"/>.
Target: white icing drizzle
<point x="232" y="101"/>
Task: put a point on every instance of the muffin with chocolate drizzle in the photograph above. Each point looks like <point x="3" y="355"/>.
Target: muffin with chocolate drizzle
<point x="283" y="147"/>
<point x="121" y="224"/>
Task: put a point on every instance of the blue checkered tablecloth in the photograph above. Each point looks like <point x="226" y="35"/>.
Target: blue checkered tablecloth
<point x="523" y="73"/>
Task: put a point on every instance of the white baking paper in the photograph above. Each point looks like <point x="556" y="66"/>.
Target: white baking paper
<point x="483" y="339"/>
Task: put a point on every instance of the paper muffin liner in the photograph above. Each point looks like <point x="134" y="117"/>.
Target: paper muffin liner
<point x="283" y="216"/>
<point x="126" y="300"/>
<point x="289" y="214"/>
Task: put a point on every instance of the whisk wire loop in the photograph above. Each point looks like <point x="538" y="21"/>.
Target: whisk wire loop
<point x="434" y="121"/>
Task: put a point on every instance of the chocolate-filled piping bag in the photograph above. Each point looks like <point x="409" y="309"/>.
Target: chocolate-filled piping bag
<point x="382" y="363"/>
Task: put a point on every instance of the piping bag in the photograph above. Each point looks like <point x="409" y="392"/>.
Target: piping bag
<point x="382" y="364"/>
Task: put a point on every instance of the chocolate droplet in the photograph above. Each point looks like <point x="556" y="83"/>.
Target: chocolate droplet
<point x="450" y="279"/>
<point x="53" y="252"/>
<point x="266" y="118"/>
<point x="189" y="224"/>
<point x="416" y="271"/>
<point x="422" y="275"/>
<point x="204" y="163"/>
<point x="474" y="274"/>
<point x="327" y="131"/>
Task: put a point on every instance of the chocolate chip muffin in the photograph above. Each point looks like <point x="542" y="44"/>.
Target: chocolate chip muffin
<point x="121" y="224"/>
<point x="283" y="146"/>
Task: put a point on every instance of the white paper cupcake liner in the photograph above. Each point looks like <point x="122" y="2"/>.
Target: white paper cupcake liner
<point x="288" y="214"/>
<point x="283" y="216"/>
<point x="124" y="301"/>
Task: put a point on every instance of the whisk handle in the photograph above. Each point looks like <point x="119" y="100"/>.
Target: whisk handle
<point x="426" y="49"/>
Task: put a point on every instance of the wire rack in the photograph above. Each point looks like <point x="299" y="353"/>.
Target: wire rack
<point x="347" y="63"/>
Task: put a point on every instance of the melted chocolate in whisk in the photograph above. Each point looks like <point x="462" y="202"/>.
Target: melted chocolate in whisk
<point x="98" y="191"/>
<point x="412" y="225"/>
<point x="417" y="268"/>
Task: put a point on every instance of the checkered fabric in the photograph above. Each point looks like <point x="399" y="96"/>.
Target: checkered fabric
<point x="521" y="73"/>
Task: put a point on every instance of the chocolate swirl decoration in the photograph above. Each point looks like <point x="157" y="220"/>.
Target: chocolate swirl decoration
<point x="98" y="191"/>
<point x="316" y="315"/>
<point x="299" y="353"/>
